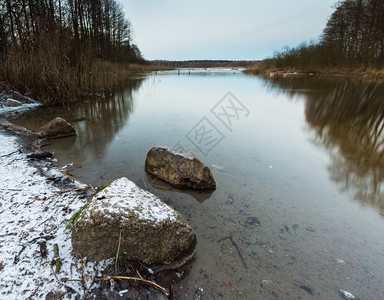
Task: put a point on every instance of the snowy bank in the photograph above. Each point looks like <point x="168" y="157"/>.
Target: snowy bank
<point x="34" y="212"/>
<point x="24" y="103"/>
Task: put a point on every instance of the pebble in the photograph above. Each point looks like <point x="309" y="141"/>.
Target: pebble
<point x="311" y="229"/>
<point x="265" y="282"/>
<point x="346" y="295"/>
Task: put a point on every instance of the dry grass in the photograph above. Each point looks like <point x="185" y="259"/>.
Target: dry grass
<point x="53" y="79"/>
<point x="266" y="67"/>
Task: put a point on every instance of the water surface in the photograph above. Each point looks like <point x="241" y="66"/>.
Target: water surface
<point x="299" y="169"/>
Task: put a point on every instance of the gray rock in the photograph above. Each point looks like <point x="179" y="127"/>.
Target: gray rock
<point x="180" y="169"/>
<point x="12" y="102"/>
<point x="56" y="128"/>
<point x="151" y="231"/>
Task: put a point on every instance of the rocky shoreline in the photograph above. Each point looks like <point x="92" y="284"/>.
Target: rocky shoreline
<point x="61" y="272"/>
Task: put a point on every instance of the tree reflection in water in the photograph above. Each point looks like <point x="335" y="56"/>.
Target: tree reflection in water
<point x="105" y="116"/>
<point x="347" y="117"/>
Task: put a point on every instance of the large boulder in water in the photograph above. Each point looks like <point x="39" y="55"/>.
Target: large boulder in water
<point x="56" y="128"/>
<point x="180" y="169"/>
<point x="151" y="231"/>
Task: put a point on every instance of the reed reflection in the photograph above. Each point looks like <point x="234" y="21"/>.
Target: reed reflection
<point x="104" y="118"/>
<point x="101" y="119"/>
<point x="347" y="117"/>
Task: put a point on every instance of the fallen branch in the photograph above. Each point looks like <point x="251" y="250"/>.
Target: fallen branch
<point x="54" y="274"/>
<point x="18" y="151"/>
<point x="77" y="180"/>
<point x="69" y="191"/>
<point x="138" y="273"/>
<point x="7" y="234"/>
<point x="236" y="247"/>
<point x="155" y="285"/>
<point x="43" y="155"/>
<point x="117" y="253"/>
<point x="238" y="251"/>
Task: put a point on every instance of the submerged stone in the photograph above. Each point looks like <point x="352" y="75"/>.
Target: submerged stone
<point x="56" y="128"/>
<point x="151" y="231"/>
<point x="180" y="169"/>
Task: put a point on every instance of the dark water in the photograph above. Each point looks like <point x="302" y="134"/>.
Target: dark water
<point x="298" y="164"/>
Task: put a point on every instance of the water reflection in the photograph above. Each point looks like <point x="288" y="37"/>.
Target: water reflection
<point x="102" y="118"/>
<point x="347" y="117"/>
<point x="163" y="189"/>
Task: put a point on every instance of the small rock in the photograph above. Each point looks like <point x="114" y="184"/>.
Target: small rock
<point x="346" y="295"/>
<point x="339" y="260"/>
<point x="43" y="249"/>
<point x="199" y="294"/>
<point x="252" y="221"/>
<point x="54" y="295"/>
<point x="265" y="282"/>
<point x="311" y="229"/>
<point x="56" y="128"/>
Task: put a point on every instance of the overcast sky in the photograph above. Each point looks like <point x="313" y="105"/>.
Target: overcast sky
<point x="225" y="29"/>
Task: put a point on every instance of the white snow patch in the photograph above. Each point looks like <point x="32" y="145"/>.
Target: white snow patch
<point x="18" y="109"/>
<point x="33" y="211"/>
<point x="185" y="154"/>
<point x="123" y="196"/>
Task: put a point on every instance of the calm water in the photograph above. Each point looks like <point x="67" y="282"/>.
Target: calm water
<point x="299" y="168"/>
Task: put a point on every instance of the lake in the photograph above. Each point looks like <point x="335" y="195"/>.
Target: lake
<point x="298" y="212"/>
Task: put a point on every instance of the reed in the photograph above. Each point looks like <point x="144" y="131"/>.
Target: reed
<point x="266" y="67"/>
<point x="51" y="78"/>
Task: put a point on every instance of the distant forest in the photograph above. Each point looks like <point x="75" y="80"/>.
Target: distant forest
<point x="204" y="63"/>
<point x="352" y="38"/>
<point x="54" y="48"/>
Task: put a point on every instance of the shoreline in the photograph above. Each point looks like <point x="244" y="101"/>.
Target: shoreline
<point x="35" y="206"/>
<point x="369" y="74"/>
<point x="26" y="255"/>
<point x="37" y="200"/>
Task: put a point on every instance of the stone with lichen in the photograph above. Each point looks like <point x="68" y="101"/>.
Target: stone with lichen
<point x="56" y="128"/>
<point x="151" y="231"/>
<point x="180" y="169"/>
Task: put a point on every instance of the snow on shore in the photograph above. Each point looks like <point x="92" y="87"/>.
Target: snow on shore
<point x="34" y="212"/>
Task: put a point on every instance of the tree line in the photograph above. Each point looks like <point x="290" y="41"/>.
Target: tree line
<point x="204" y="63"/>
<point x="51" y="47"/>
<point x="352" y="38"/>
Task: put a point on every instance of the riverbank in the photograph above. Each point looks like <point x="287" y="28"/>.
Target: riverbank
<point x="266" y="68"/>
<point x="35" y="203"/>
<point x="37" y="199"/>
<point x="61" y="87"/>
